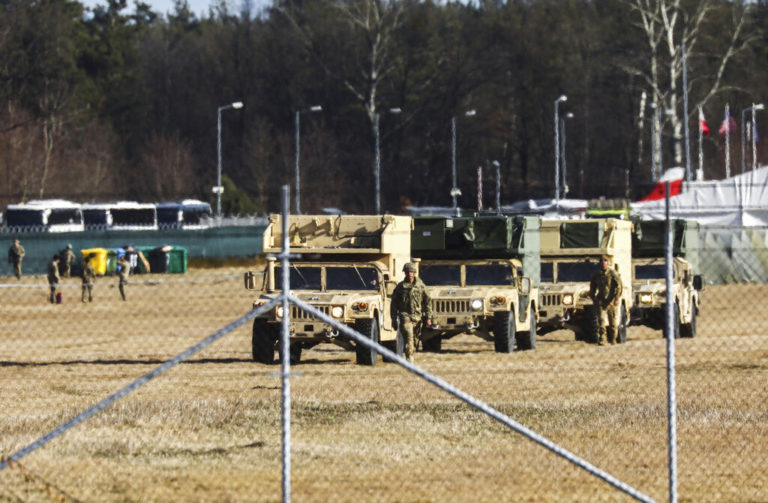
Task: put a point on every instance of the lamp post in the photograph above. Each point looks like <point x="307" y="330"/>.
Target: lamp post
<point x="218" y="189"/>
<point x="559" y="100"/>
<point x="654" y="148"/>
<point x="569" y="115"/>
<point x="377" y="166"/>
<point x="316" y="108"/>
<point x="455" y="191"/>
<point x="754" y="109"/>
<point x="498" y="186"/>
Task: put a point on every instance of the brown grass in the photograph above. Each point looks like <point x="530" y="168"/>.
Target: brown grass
<point x="209" y="429"/>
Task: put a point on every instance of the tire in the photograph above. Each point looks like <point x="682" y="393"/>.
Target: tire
<point x="370" y="329"/>
<point x="526" y="340"/>
<point x="295" y="353"/>
<point x="675" y="322"/>
<point x="263" y="342"/>
<point x="432" y="345"/>
<point x="688" y="330"/>
<point x="504" y="331"/>
<point x="621" y="337"/>
<point x="592" y="325"/>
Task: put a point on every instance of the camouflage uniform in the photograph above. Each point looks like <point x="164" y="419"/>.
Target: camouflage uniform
<point x="53" y="278"/>
<point x="67" y="257"/>
<point x="605" y="290"/>
<point x="125" y="269"/>
<point x="15" y="255"/>
<point x="89" y="278"/>
<point x="410" y="305"/>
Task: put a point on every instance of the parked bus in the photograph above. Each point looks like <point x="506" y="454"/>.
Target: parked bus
<point x="49" y="215"/>
<point x="122" y="215"/>
<point x="186" y="214"/>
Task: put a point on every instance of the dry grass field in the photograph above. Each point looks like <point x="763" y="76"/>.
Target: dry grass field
<point x="209" y="429"/>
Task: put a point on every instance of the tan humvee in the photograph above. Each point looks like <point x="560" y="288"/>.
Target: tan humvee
<point x="650" y="289"/>
<point x="484" y="297"/>
<point x="570" y="254"/>
<point x="347" y="269"/>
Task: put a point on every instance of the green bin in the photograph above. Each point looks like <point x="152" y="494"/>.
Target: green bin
<point x="142" y="264"/>
<point x="177" y="263"/>
<point x="111" y="268"/>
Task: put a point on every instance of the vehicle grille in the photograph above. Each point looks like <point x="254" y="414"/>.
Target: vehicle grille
<point x="300" y="314"/>
<point x="551" y="299"/>
<point x="450" y="306"/>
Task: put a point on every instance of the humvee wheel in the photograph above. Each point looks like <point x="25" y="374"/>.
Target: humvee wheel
<point x="263" y="342"/>
<point x="370" y="329"/>
<point x="432" y="345"/>
<point x="675" y="322"/>
<point x="592" y="325"/>
<point x="621" y="337"/>
<point x="504" y="331"/>
<point x="688" y="330"/>
<point x="527" y="338"/>
<point x="295" y="353"/>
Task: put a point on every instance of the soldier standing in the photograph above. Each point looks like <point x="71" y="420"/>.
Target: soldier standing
<point x="67" y="257"/>
<point x="605" y="291"/>
<point x="125" y="269"/>
<point x="53" y="277"/>
<point x="15" y="256"/>
<point x="410" y="306"/>
<point x="89" y="278"/>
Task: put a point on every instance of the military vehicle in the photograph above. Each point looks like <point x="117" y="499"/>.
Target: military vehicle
<point x="474" y="271"/>
<point x="649" y="274"/>
<point x="347" y="268"/>
<point x="570" y="254"/>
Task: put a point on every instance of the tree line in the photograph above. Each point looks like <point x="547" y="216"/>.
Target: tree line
<point x="121" y="102"/>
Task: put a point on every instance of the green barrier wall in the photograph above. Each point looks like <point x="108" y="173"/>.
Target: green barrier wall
<point x="216" y="243"/>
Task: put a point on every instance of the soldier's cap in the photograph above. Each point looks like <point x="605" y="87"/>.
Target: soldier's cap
<point x="607" y="258"/>
<point x="409" y="267"/>
<point x="69" y="245"/>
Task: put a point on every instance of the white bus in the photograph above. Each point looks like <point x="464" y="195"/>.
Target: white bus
<point x="186" y="214"/>
<point x="121" y="215"/>
<point x="44" y="215"/>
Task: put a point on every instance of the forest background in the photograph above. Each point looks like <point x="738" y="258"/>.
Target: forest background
<point x="120" y="102"/>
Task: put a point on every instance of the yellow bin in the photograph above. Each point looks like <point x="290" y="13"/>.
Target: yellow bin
<point x="98" y="259"/>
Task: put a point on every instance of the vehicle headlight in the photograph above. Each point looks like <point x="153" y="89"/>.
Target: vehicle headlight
<point x="337" y="311"/>
<point x="645" y="298"/>
<point x="568" y="299"/>
<point x="279" y="311"/>
<point x="477" y="304"/>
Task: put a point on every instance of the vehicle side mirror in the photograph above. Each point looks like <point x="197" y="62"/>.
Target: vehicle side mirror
<point x="249" y="279"/>
<point x="525" y="285"/>
<point x="389" y="287"/>
<point x="697" y="282"/>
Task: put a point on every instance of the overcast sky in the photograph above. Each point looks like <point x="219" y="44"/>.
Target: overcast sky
<point x="199" y="7"/>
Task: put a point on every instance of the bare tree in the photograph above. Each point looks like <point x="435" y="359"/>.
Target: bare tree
<point x="666" y="25"/>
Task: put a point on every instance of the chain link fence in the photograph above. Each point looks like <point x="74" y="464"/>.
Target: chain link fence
<point x="210" y="427"/>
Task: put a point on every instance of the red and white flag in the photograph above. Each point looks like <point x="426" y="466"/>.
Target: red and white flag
<point x="728" y="126"/>
<point x="703" y="123"/>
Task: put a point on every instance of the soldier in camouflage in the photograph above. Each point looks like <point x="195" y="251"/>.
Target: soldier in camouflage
<point x="605" y="291"/>
<point x="89" y="277"/>
<point x="15" y="256"/>
<point x="410" y="307"/>
<point x="67" y="257"/>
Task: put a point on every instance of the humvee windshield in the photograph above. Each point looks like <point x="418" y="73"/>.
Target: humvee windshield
<point x="657" y="271"/>
<point x="492" y="274"/>
<point x="301" y="278"/>
<point x="351" y="278"/>
<point x="575" y="271"/>
<point x="547" y="275"/>
<point x="440" y="275"/>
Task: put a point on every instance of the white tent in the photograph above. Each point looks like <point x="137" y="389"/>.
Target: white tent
<point x="739" y="201"/>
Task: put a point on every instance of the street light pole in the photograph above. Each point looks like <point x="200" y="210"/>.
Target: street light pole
<point x="316" y="108"/>
<point x="562" y="98"/>
<point x="755" y="108"/>
<point x="377" y="166"/>
<point x="498" y="186"/>
<point x="455" y="191"/>
<point x="218" y="189"/>
<point x="569" y="115"/>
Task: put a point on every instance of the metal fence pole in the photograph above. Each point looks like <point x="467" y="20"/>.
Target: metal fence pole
<point x="671" y="393"/>
<point x="285" y="352"/>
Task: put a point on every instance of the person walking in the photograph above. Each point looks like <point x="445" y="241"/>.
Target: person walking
<point x="605" y="291"/>
<point x="411" y="309"/>
<point x="67" y="257"/>
<point x="124" y="269"/>
<point x="15" y="256"/>
<point x="89" y="278"/>
<point x="53" y="277"/>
